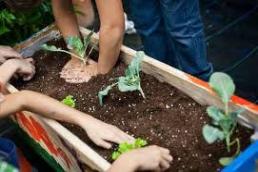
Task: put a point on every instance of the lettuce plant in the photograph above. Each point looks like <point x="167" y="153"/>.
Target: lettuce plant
<point x="69" y="101"/>
<point x="126" y="147"/>
<point x="75" y="44"/>
<point x="224" y="122"/>
<point x="130" y="82"/>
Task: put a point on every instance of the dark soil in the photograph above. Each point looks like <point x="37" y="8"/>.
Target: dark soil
<point x="167" y="117"/>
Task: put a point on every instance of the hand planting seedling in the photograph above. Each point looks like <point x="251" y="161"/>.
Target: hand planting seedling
<point x="223" y="121"/>
<point x="69" y="101"/>
<point x="126" y="147"/>
<point x="130" y="82"/>
<point x="75" y="44"/>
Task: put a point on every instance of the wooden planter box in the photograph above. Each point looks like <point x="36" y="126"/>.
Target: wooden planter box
<point x="65" y="151"/>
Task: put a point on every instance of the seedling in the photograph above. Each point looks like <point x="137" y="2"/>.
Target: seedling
<point x="69" y="101"/>
<point x="223" y="121"/>
<point x="130" y="82"/>
<point x="76" y="45"/>
<point x="126" y="147"/>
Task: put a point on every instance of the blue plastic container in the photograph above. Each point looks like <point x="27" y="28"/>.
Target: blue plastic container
<point x="8" y="152"/>
<point x="247" y="161"/>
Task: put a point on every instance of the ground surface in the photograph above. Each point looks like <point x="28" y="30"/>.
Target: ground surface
<point x="166" y="117"/>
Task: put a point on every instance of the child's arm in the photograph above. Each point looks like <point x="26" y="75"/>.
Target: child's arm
<point x="65" y="18"/>
<point x="111" y="33"/>
<point x="152" y="158"/>
<point x="99" y="132"/>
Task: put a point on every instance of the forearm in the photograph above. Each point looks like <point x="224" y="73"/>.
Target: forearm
<point x="41" y="105"/>
<point x="6" y="71"/>
<point x="111" y="33"/>
<point x="65" y="18"/>
<point x="109" y="47"/>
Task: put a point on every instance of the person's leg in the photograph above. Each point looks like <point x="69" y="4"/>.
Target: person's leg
<point x="186" y="36"/>
<point x="148" y="21"/>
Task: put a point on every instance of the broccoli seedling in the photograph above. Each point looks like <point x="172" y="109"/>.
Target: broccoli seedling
<point x="75" y="44"/>
<point x="223" y="121"/>
<point x="69" y="101"/>
<point x="130" y="82"/>
<point x="126" y="147"/>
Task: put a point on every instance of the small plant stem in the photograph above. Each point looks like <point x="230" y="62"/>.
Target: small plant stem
<point x="72" y="54"/>
<point x="228" y="142"/>
<point x="142" y="93"/>
<point x="226" y="108"/>
<point x="236" y="141"/>
<point x="114" y="84"/>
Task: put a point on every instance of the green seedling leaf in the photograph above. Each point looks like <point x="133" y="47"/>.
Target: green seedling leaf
<point x="212" y="134"/>
<point x="225" y="161"/>
<point x="75" y="43"/>
<point x="140" y="143"/>
<point x="223" y="85"/>
<point x="104" y="93"/>
<point x="126" y="147"/>
<point x="125" y="85"/>
<point x="87" y="40"/>
<point x="69" y="101"/>
<point x="215" y="114"/>
<point x="115" y="155"/>
<point x="50" y="47"/>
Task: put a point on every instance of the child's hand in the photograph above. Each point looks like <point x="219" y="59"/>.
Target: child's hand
<point x="8" y="53"/>
<point x="152" y="158"/>
<point x="25" y="68"/>
<point x="103" y="134"/>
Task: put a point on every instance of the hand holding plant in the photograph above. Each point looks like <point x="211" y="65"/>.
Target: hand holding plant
<point x="223" y="121"/>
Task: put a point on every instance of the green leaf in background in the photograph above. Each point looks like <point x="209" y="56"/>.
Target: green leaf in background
<point x="223" y="85"/>
<point x="212" y="134"/>
<point x="69" y="101"/>
<point x="4" y="30"/>
<point x="225" y="161"/>
<point x="103" y="93"/>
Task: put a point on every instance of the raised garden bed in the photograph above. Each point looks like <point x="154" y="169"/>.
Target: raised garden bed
<point x="167" y="117"/>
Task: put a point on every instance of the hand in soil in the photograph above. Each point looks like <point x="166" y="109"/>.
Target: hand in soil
<point x="103" y="134"/>
<point x="25" y="68"/>
<point x="7" y="53"/>
<point x="76" y="72"/>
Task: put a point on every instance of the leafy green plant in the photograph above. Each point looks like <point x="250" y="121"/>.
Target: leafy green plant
<point x="223" y="121"/>
<point x="75" y="44"/>
<point x="126" y="147"/>
<point x="130" y="82"/>
<point x="69" y="101"/>
<point x="16" y="26"/>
